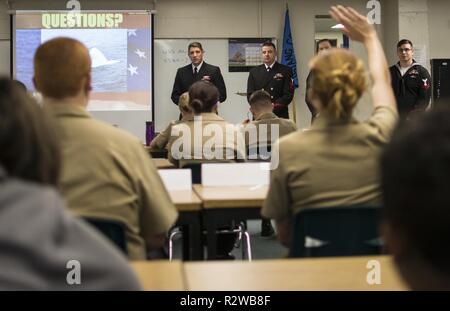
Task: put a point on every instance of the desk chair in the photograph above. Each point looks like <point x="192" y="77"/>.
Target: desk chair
<point x="336" y="231"/>
<point x="263" y="153"/>
<point x="113" y="230"/>
<point x="240" y="230"/>
<point x="158" y="153"/>
<point x="196" y="173"/>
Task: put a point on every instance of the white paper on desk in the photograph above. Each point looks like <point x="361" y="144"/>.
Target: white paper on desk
<point x="235" y="174"/>
<point x="175" y="180"/>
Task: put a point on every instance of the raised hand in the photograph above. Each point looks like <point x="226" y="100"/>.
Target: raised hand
<point x="356" y="25"/>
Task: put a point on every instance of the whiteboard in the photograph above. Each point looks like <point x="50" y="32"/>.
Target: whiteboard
<point x="171" y="54"/>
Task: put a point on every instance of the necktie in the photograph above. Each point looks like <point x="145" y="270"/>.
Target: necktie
<point x="195" y="71"/>
<point x="269" y="69"/>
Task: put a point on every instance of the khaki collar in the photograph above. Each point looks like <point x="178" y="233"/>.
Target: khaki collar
<point x="67" y="110"/>
<point x="184" y="119"/>
<point x="267" y="116"/>
<point x="322" y="122"/>
<point x="208" y="116"/>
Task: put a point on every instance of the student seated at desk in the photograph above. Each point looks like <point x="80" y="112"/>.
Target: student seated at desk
<point x="335" y="163"/>
<point x="38" y="237"/>
<point x="258" y="133"/>
<point x="106" y="172"/>
<point x="161" y="141"/>
<point x="416" y="181"/>
<point x="207" y="137"/>
<point x="262" y="133"/>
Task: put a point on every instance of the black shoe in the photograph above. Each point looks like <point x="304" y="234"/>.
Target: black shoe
<point x="266" y="228"/>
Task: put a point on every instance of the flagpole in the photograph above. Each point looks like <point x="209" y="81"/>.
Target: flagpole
<point x="292" y="63"/>
<point x="294" y="111"/>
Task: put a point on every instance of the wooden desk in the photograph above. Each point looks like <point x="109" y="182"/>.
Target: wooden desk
<point x="345" y="273"/>
<point x="160" y="275"/>
<point x="186" y="200"/>
<point x="226" y="204"/>
<point x="162" y="163"/>
<point x="231" y="197"/>
<point x="189" y="207"/>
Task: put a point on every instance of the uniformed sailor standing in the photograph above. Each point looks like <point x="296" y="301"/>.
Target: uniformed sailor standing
<point x="274" y="78"/>
<point x="411" y="82"/>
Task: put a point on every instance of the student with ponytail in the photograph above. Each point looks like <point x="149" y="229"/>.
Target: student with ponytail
<point x="207" y="137"/>
<point x="335" y="163"/>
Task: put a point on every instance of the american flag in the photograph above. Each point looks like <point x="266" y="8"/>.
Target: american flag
<point x="138" y="60"/>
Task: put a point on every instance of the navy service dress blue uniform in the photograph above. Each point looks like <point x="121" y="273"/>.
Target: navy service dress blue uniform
<point x="185" y="77"/>
<point x="277" y="81"/>
<point x="412" y="90"/>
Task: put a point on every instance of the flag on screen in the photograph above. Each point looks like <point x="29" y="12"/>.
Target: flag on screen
<point x="139" y="59"/>
<point x="288" y="53"/>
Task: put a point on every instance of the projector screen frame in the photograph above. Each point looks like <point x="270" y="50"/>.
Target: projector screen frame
<point x="151" y="13"/>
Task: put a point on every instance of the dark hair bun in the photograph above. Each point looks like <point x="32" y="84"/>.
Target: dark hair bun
<point x="197" y="105"/>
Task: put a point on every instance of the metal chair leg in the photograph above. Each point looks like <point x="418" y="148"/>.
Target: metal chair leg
<point x="172" y="235"/>
<point x="242" y="232"/>
<point x="249" y="247"/>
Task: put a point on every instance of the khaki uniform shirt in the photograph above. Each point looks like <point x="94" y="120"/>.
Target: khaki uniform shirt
<point x="207" y="138"/>
<point x="254" y="131"/>
<point x="162" y="139"/>
<point x="108" y="174"/>
<point x="335" y="163"/>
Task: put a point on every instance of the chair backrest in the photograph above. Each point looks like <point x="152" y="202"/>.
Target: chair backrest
<point x="196" y="172"/>
<point x="113" y="230"/>
<point x="159" y="153"/>
<point x="259" y="153"/>
<point x="336" y="231"/>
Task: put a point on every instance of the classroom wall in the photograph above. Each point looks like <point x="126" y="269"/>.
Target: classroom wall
<point x="4" y="40"/>
<point x="426" y="22"/>
<point x="413" y="25"/>
<point x="390" y="23"/>
<point x="255" y="18"/>
<point x="439" y="28"/>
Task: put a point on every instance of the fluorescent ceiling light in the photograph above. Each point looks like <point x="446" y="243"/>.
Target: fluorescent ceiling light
<point x="338" y="26"/>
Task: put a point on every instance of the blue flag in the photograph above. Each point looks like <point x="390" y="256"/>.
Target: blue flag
<point x="288" y="54"/>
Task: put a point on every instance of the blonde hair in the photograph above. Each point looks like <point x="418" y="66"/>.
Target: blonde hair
<point x="339" y="80"/>
<point x="61" y="68"/>
<point x="183" y="103"/>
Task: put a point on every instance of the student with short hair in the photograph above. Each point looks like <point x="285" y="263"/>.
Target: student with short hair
<point x="38" y="237"/>
<point x="106" y="174"/>
<point x="261" y="107"/>
<point x="259" y="136"/>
